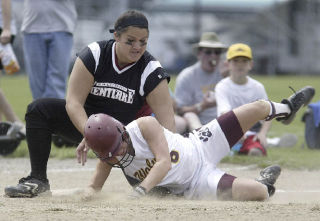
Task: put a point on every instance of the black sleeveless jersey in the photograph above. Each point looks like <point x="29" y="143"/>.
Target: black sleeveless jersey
<point x="119" y="92"/>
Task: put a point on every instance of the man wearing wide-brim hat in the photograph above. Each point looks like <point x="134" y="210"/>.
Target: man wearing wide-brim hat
<point x="194" y="92"/>
<point x="210" y="40"/>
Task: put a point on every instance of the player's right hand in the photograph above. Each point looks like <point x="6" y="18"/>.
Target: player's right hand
<point x="137" y="193"/>
<point x="82" y="151"/>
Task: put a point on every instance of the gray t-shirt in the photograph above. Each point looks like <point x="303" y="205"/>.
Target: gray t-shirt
<point x="192" y="84"/>
<point x="41" y="16"/>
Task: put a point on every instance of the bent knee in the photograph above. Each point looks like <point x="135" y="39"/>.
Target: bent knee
<point x="33" y="107"/>
<point x="261" y="104"/>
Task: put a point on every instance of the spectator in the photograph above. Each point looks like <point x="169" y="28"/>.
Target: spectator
<point x="195" y="85"/>
<point x="115" y="77"/>
<point x="239" y="89"/>
<point x="47" y="29"/>
<point x="7" y="31"/>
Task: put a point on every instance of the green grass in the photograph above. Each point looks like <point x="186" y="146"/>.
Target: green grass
<point x="16" y="89"/>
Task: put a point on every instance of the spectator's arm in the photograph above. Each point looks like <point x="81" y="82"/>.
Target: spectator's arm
<point x="6" y="18"/>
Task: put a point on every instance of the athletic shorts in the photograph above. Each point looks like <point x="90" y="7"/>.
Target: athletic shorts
<point x="214" y="141"/>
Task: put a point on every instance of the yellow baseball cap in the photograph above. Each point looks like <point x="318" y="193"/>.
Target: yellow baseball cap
<point x="239" y="49"/>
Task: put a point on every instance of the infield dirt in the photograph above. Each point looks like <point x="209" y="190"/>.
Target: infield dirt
<point x="297" y="197"/>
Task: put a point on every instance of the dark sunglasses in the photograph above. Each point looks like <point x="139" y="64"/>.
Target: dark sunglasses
<point x="212" y="51"/>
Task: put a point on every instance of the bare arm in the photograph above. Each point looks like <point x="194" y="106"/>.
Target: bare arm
<point x="99" y="178"/>
<point x="153" y="133"/>
<point x="6" y="17"/>
<point x="160" y="102"/>
<point x="100" y="175"/>
<point x="79" y="86"/>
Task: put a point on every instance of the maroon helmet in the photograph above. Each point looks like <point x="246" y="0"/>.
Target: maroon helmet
<point x="104" y="135"/>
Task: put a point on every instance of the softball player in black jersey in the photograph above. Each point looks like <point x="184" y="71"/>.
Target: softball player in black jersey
<point x="116" y="77"/>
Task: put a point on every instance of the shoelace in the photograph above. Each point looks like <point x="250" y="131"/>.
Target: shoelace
<point x="24" y="179"/>
<point x="293" y="90"/>
<point x="298" y="98"/>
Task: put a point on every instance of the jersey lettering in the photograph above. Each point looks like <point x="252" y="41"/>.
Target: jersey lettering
<point x="113" y="91"/>
<point x="174" y="156"/>
<point x="142" y="173"/>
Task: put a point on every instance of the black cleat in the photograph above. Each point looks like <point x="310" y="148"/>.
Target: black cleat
<point x="269" y="176"/>
<point x="28" y="187"/>
<point x="295" y="102"/>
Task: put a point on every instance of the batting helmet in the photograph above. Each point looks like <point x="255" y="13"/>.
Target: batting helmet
<point x="103" y="134"/>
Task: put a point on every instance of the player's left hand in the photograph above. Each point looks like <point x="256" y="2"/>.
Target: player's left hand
<point x="82" y="151"/>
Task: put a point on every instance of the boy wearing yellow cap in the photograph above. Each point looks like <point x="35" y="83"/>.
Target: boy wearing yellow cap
<point x="239" y="89"/>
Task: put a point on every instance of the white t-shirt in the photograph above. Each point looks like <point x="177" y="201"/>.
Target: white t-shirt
<point x="230" y="95"/>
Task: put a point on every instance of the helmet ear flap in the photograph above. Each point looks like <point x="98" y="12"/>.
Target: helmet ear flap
<point x="124" y="134"/>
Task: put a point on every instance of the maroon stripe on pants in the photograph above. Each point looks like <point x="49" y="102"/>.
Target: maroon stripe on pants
<point x="231" y="127"/>
<point x="224" y="189"/>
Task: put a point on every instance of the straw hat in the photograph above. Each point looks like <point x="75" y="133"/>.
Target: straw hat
<point x="210" y="40"/>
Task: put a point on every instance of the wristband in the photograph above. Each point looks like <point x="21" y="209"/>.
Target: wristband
<point x="141" y="190"/>
<point x="198" y="107"/>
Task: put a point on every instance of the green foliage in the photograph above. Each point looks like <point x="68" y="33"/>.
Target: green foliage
<point x="16" y="89"/>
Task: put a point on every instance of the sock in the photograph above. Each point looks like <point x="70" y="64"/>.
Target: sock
<point x="39" y="144"/>
<point x="278" y="110"/>
<point x="281" y="108"/>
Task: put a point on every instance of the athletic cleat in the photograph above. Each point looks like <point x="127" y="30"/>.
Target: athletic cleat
<point x="269" y="176"/>
<point x="28" y="187"/>
<point x="295" y="102"/>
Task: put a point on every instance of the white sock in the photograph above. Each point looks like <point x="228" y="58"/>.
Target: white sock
<point x="280" y="108"/>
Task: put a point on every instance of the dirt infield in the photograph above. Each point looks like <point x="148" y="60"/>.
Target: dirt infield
<point x="297" y="197"/>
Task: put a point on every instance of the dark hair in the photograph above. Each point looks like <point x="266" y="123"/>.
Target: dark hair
<point x="130" y="18"/>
